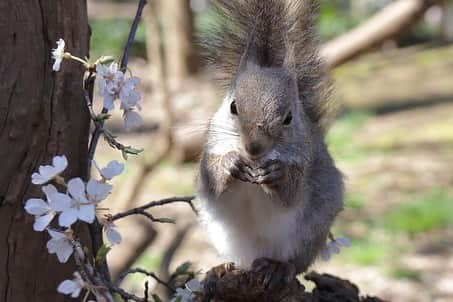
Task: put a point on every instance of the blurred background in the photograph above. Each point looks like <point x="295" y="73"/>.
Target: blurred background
<point x="392" y="138"/>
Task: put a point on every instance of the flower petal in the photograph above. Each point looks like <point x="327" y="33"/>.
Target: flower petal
<point x="37" y="207"/>
<point x="193" y="285"/>
<point x="132" y="120"/>
<point x="56" y="235"/>
<point x="41" y="222"/>
<point x="64" y="251"/>
<point x="76" y="187"/>
<point x="38" y="179"/>
<point x="343" y="241"/>
<point x="109" y="103"/>
<point x="76" y="292"/>
<point x="113" y="168"/>
<point x="60" y="163"/>
<point x="69" y="287"/>
<point x="56" y="65"/>
<point x="60" y="202"/>
<point x="98" y="191"/>
<point x="49" y="190"/>
<point x="87" y="213"/>
<point x="68" y="217"/>
<point x="112" y="234"/>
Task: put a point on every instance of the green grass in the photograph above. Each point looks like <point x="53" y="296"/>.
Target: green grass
<point x="148" y="261"/>
<point x="341" y="138"/>
<point x="354" y="201"/>
<point x="366" y="252"/>
<point x="110" y="35"/>
<point x="405" y="273"/>
<point x="430" y="211"/>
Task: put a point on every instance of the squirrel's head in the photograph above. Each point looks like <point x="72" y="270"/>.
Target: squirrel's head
<point x="265" y="109"/>
<point x="262" y="107"/>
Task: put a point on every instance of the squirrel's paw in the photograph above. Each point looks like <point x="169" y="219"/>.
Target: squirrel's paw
<point x="274" y="274"/>
<point x="271" y="173"/>
<point x="237" y="166"/>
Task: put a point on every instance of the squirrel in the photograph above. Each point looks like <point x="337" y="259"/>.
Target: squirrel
<point x="268" y="187"/>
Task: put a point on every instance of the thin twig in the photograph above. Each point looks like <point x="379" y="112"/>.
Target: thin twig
<point x="146" y="291"/>
<point x="124" y="61"/>
<point x="131" y="37"/>
<point x="96" y="228"/>
<point x="144" y="272"/>
<point x="142" y="210"/>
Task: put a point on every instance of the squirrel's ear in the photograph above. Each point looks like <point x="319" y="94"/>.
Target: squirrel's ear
<point x="250" y="55"/>
<point x="289" y="62"/>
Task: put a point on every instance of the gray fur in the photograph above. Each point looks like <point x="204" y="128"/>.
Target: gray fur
<point x="280" y="201"/>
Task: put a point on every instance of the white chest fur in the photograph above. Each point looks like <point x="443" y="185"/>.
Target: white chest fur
<point x="244" y="224"/>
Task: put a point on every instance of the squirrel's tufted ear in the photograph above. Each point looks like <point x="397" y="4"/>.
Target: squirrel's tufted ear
<point x="250" y="55"/>
<point x="289" y="63"/>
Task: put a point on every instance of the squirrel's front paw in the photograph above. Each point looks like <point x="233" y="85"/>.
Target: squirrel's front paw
<point x="273" y="172"/>
<point x="237" y="166"/>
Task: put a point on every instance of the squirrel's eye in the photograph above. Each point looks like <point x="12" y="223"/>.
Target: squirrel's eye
<point x="233" y="108"/>
<point x="288" y="119"/>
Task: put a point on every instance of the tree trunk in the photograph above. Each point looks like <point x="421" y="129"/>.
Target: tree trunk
<point x="180" y="52"/>
<point x="42" y="114"/>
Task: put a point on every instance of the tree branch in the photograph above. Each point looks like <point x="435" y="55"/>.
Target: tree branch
<point x="393" y="20"/>
<point x="123" y="66"/>
<point x="144" y="272"/>
<point x="142" y="210"/>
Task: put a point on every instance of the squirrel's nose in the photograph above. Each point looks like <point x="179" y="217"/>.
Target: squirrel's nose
<point x="254" y="149"/>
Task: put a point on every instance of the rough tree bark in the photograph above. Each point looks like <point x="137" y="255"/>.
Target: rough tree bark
<point x="42" y="114"/>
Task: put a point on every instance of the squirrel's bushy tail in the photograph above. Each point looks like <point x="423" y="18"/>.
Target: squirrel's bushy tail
<point x="279" y="31"/>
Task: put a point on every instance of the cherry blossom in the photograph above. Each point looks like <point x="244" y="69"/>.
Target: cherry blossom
<point x="58" y="54"/>
<point x="79" y="207"/>
<point x="49" y="172"/>
<point x="113" y="168"/>
<point x="72" y="287"/>
<point x="45" y="211"/>
<point x="109" y="82"/>
<point x="113" y="85"/>
<point x="111" y="232"/>
<point x="129" y="95"/>
<point x="333" y="247"/>
<point x="60" y="244"/>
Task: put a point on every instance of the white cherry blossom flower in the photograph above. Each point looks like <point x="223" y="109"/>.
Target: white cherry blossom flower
<point x="59" y="244"/>
<point x="79" y="207"/>
<point x="111" y="232"/>
<point x="49" y="172"/>
<point x="72" y="287"/>
<point x="333" y="247"/>
<point x="132" y="119"/>
<point x="58" y="54"/>
<point x="113" y="168"/>
<point x="128" y="93"/>
<point x="109" y="82"/>
<point x="45" y="211"/>
<point x="97" y="191"/>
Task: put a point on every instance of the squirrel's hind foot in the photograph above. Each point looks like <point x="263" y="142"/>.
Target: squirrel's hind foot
<point x="274" y="274"/>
